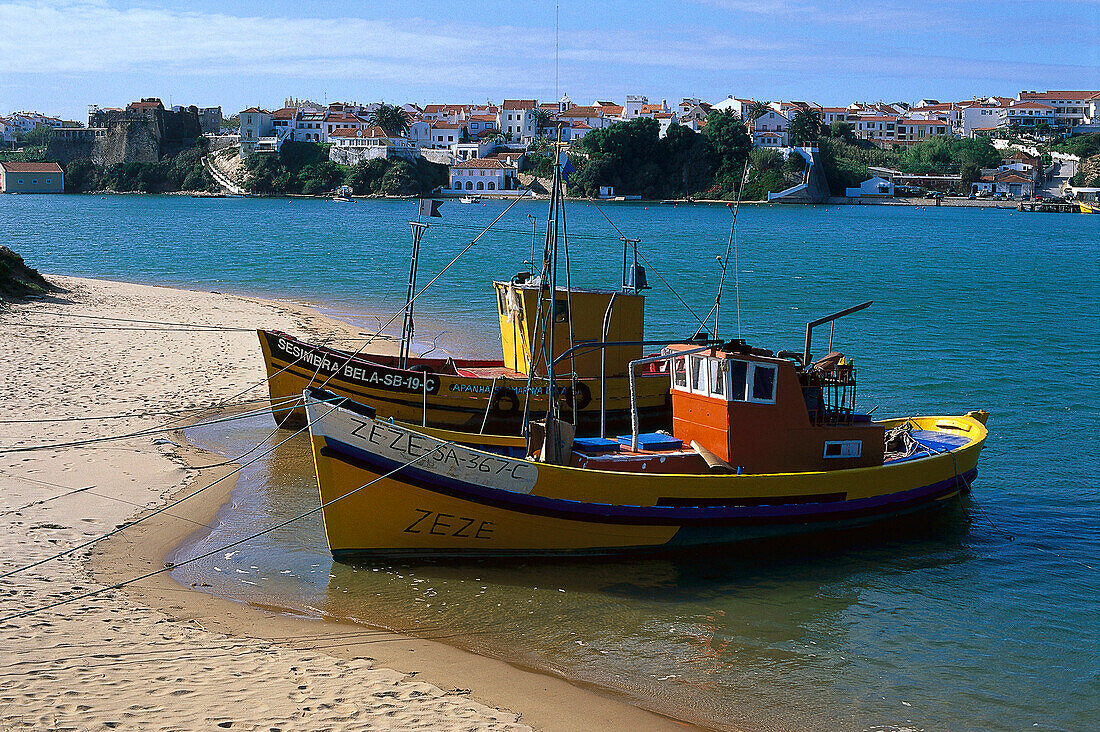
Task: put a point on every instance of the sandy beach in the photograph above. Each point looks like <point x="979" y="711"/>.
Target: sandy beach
<point x="155" y="655"/>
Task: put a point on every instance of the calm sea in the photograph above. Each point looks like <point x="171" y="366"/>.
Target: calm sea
<point x="986" y="622"/>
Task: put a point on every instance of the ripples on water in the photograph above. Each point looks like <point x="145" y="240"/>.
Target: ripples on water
<point x="955" y="627"/>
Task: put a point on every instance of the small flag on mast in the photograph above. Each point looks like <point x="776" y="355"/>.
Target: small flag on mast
<point x="428" y="207"/>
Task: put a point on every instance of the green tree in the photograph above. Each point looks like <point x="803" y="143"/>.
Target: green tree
<point x="757" y="110"/>
<point x="400" y="179"/>
<point x="38" y="137"/>
<point x="632" y="157"/>
<point x="691" y="160"/>
<point x="842" y="130"/>
<point x="730" y="142"/>
<point x="542" y="119"/>
<point x="364" y="177"/>
<point x="942" y="154"/>
<point x="806" y="126"/>
<point x="320" y="178"/>
<point x="391" y="118"/>
<point x="81" y="176"/>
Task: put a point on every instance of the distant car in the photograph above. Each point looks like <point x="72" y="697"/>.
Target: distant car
<point x="1037" y="197"/>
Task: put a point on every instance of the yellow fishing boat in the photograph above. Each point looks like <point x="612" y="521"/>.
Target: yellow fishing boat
<point x="761" y="446"/>
<point x="1087" y="208"/>
<point x="486" y="396"/>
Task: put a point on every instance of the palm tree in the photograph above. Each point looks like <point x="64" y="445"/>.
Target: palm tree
<point x="391" y="118"/>
<point x="542" y="119"/>
<point x="806" y="125"/>
<point x="757" y="110"/>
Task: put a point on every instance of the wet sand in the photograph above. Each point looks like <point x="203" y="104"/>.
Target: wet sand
<point x="156" y="655"/>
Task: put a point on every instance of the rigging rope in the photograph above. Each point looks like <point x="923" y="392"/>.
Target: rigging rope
<point x="162" y="509"/>
<point x="170" y="566"/>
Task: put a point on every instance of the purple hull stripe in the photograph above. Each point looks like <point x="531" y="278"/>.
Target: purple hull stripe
<point x="650" y="515"/>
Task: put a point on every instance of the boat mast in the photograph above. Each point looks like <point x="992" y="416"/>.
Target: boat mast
<point x="407" y="328"/>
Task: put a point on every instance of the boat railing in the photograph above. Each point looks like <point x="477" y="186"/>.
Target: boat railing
<point x="829" y="319"/>
<point x="602" y="346"/>
<point x="634" y="428"/>
<point x="830" y="394"/>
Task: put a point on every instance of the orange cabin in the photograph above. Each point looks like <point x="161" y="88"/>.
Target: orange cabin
<point x="763" y="414"/>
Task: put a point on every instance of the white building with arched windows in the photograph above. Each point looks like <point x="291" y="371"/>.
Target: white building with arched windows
<point x="484" y="175"/>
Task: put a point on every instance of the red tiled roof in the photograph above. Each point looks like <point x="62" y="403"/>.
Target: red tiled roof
<point x="486" y="133"/>
<point x="580" y="112"/>
<point x="581" y="126"/>
<point x="485" y="163"/>
<point x="351" y="132"/>
<point x="432" y="108"/>
<point x="1053" y="94"/>
<point x="284" y="113"/>
<point x="13" y="167"/>
<point x="254" y="110"/>
<point x="483" y="118"/>
<point x="342" y="117"/>
<point x="662" y="115"/>
<point x="519" y="104"/>
<point x="647" y="108"/>
<point x="445" y="126"/>
<point x="1030" y="105"/>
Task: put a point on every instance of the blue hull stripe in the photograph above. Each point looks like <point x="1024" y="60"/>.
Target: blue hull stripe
<point x="877" y="506"/>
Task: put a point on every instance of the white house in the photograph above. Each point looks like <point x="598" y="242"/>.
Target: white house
<point x="594" y="117"/>
<point x="256" y="127"/>
<point x="343" y="121"/>
<point x="353" y="145"/>
<point x="738" y="106"/>
<point x="309" y="126"/>
<point x="1071" y="108"/>
<point x="473" y="149"/>
<point x="445" y="134"/>
<point x="769" y="139"/>
<point x="483" y="174"/>
<point x="478" y="123"/>
<point x="665" y="120"/>
<point x="833" y="114"/>
<point x="872" y="187"/>
<point x="1005" y="182"/>
<point x="880" y="128"/>
<point x="909" y="131"/>
<point x="516" y="118"/>
<point x="7" y="131"/>
<point x="419" y="133"/>
<point x="1030" y="114"/>
<point x="770" y="129"/>
<point x="980" y="117"/>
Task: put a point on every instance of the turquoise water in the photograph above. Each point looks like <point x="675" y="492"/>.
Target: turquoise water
<point x="988" y="621"/>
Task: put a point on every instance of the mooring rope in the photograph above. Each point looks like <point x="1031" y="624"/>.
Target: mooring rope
<point x="174" y="565"/>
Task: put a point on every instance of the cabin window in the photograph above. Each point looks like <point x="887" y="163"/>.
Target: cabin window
<point x="501" y="305"/>
<point x="843" y="448"/>
<point x="698" y="375"/>
<point x="738" y="373"/>
<point x="719" y="376"/>
<point x="679" y="373"/>
<point x="561" y="311"/>
<point x="763" y="383"/>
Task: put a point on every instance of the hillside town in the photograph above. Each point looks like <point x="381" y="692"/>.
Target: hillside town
<point x="872" y="150"/>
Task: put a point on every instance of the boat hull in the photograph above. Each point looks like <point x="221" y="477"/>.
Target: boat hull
<point x="458" y="501"/>
<point x="455" y="402"/>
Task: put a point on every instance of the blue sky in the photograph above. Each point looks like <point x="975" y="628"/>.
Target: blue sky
<point x="59" y="57"/>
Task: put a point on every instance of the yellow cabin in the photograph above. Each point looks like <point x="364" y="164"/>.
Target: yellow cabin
<point x="594" y="316"/>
